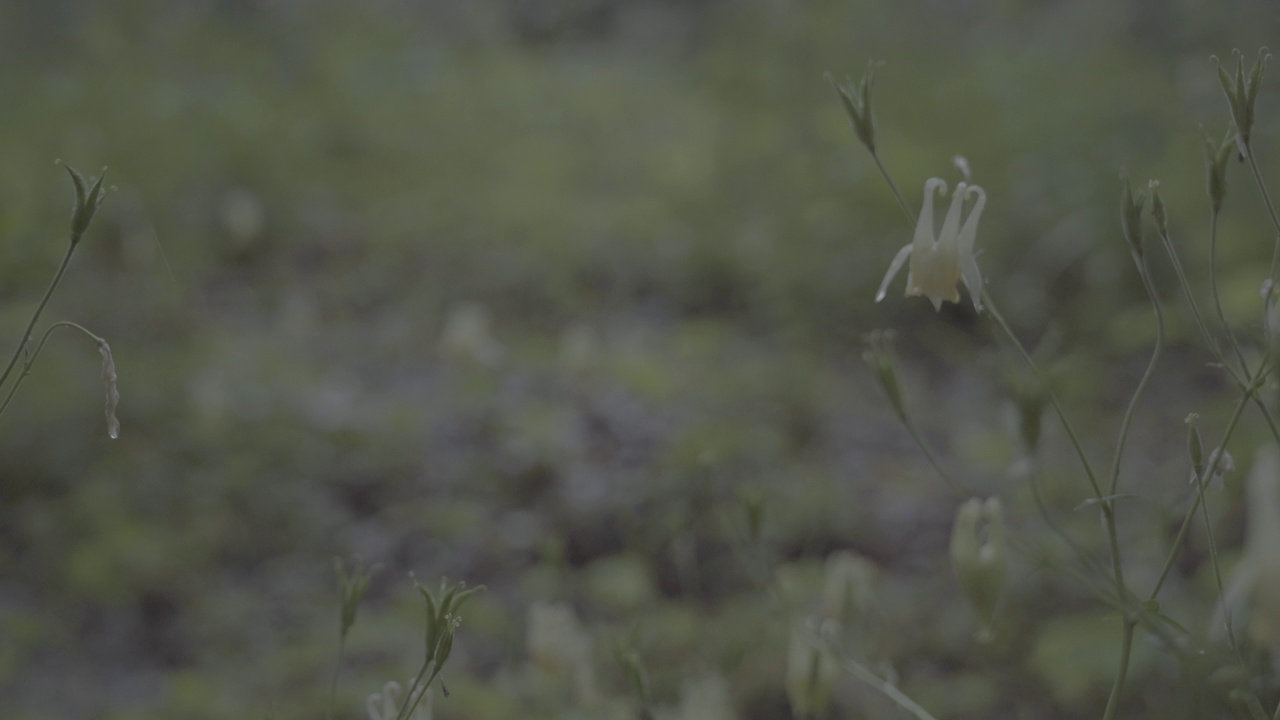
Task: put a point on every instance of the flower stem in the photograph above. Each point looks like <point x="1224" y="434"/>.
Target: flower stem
<point x="902" y="202"/>
<point x="26" y="335"/>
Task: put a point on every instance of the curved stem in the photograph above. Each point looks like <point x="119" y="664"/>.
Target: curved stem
<point x="26" y="335"/>
<point x="1146" y="376"/>
<point x="31" y="359"/>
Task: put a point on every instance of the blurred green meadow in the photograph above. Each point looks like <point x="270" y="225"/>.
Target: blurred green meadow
<point x="549" y="296"/>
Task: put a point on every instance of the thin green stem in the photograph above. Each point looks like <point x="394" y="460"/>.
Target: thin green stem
<point x="886" y="688"/>
<point x="35" y="316"/>
<point x="31" y="359"/>
<point x="933" y="459"/>
<point x="1217" y="297"/>
<point x="1146" y="376"/>
<point x="994" y="311"/>
<point x="902" y="202"/>
<point x="1271" y="207"/>
<point x="1244" y="377"/>
<point x="333" y="679"/>
<point x="1126" y="649"/>
<point x="1217" y="567"/>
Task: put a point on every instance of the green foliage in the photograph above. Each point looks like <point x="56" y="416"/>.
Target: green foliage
<point x="531" y="300"/>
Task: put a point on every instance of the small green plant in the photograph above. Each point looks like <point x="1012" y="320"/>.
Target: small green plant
<point x="938" y="262"/>
<point x="90" y="194"/>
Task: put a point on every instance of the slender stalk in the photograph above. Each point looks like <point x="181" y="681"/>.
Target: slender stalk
<point x="35" y="316"/>
<point x="31" y="359"/>
<point x="1213" y="286"/>
<point x="886" y="688"/>
<point x="1200" y="481"/>
<point x="994" y="311"/>
<point x="933" y="459"/>
<point x="1146" y="376"/>
<point x="333" y="679"/>
<point x="1126" y="649"/>
<point x="1271" y="207"/>
<point x="902" y="202"/>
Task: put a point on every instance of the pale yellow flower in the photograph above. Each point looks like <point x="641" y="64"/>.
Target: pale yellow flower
<point x="939" y="262"/>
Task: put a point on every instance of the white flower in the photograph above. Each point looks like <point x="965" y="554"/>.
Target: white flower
<point x="385" y="705"/>
<point x="1253" y="592"/>
<point x="938" y="263"/>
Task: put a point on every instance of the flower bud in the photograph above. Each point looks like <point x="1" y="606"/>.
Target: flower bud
<point x="1131" y="218"/>
<point x="1157" y="210"/>
<point x="1216" y="156"/>
<point x="89" y="195"/>
<point x="979" y="558"/>
<point x="856" y="99"/>
<point x="351" y="590"/>
<point x="1271" y="324"/>
<point x="1242" y="96"/>
<point x="1194" y="446"/>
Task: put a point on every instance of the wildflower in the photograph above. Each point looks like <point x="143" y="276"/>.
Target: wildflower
<point x="939" y="262"/>
<point x="979" y="559"/>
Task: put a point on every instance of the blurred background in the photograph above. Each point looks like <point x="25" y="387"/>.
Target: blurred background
<point x="552" y="296"/>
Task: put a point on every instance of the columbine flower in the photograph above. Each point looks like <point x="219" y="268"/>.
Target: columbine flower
<point x="1253" y="593"/>
<point x="938" y="263"/>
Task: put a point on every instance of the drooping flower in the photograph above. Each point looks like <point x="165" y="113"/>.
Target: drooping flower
<point x="939" y="262"/>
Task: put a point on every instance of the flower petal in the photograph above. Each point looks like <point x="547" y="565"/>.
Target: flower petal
<point x="924" y="239"/>
<point x="894" y="268"/>
<point x="964" y="247"/>
<point x="951" y="224"/>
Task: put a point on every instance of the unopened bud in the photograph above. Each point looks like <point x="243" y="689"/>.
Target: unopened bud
<point x="1157" y="209"/>
<point x="1271" y="305"/>
<point x="856" y="99"/>
<point x="89" y="195"/>
<point x="1131" y="218"/>
<point x="1194" y="446"/>
<point x="1242" y="95"/>
<point x="1216" y="156"/>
